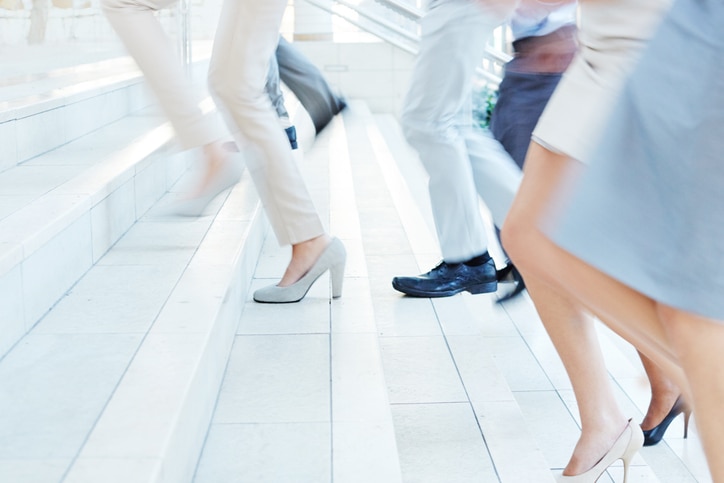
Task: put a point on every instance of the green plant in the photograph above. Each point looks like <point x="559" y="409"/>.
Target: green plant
<point x="484" y="99"/>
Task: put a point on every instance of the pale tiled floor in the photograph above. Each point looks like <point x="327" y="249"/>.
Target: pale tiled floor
<point x="445" y="390"/>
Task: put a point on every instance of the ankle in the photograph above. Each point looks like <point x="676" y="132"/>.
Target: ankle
<point x="476" y="261"/>
<point x="591" y="446"/>
<point x="661" y="403"/>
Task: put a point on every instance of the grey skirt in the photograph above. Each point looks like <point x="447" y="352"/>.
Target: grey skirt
<point x="649" y="208"/>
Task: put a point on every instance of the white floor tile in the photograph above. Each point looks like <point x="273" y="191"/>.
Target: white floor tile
<point x="484" y="381"/>
<point x="49" y="272"/>
<point x="353" y="312"/>
<point x="441" y="443"/>
<point x="112" y="217"/>
<point x="276" y="379"/>
<point x="33" y="470"/>
<point x="461" y="315"/>
<point x="515" y="451"/>
<point x="158" y="242"/>
<point x="420" y="370"/>
<point x="365" y="452"/>
<point x="113" y="299"/>
<point x="12" y="320"/>
<point x="91" y="470"/>
<point x="359" y="393"/>
<point x="145" y="407"/>
<point x="514" y="358"/>
<point x="310" y="316"/>
<point x="551" y="424"/>
<point x="266" y="453"/>
<point x="62" y="392"/>
<point x="405" y="316"/>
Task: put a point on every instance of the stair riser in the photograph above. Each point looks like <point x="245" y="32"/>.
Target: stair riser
<point x="37" y="129"/>
<point x="50" y="267"/>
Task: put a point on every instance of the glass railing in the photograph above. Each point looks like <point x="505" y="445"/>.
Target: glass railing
<point x="40" y="36"/>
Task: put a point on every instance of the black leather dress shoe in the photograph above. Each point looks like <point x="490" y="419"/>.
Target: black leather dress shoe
<point x="510" y="274"/>
<point x="449" y="279"/>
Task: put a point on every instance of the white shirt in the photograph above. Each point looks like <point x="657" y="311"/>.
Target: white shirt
<point x="533" y="21"/>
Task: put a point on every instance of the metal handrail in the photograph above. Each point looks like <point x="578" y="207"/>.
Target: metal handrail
<point x="380" y="21"/>
<point x="403" y="8"/>
<point x="391" y="33"/>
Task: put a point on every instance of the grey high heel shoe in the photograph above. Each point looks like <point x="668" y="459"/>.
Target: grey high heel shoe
<point x="333" y="258"/>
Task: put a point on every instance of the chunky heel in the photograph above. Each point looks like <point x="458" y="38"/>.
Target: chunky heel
<point x="332" y="258"/>
<point x="336" y="273"/>
<point x="483" y="288"/>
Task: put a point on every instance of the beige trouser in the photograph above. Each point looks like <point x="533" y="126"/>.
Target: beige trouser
<point x="143" y="36"/>
<point x="246" y="39"/>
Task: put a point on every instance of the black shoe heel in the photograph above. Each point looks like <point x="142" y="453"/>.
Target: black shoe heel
<point x="654" y="435"/>
<point x="507" y="274"/>
<point x="483" y="288"/>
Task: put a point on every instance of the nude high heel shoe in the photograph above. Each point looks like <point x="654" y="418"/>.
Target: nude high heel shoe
<point x="333" y="258"/>
<point x="624" y="448"/>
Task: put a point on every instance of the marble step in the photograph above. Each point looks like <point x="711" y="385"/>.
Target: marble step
<point x="117" y="318"/>
<point x="61" y="211"/>
<point x="40" y="111"/>
<point x="373" y="386"/>
<point x="456" y="415"/>
<point x="304" y="397"/>
<point x="517" y="343"/>
<point x="118" y="381"/>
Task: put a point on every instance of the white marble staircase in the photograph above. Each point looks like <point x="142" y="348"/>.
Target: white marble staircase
<point x="115" y="318"/>
<point x="130" y="351"/>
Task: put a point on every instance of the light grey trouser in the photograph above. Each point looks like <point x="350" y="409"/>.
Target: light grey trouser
<point x="463" y="162"/>
<point x="246" y="38"/>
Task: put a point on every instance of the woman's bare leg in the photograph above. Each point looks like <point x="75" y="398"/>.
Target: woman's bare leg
<point x="570" y="328"/>
<point x="627" y="312"/>
<point x="686" y="347"/>
<point x="698" y="342"/>
<point x="663" y="394"/>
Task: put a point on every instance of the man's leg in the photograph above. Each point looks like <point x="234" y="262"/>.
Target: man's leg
<point x="453" y="45"/>
<point x="308" y="84"/>
<point x="273" y="88"/>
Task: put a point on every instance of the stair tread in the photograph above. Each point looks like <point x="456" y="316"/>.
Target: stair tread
<point x="369" y="387"/>
<point x="119" y="312"/>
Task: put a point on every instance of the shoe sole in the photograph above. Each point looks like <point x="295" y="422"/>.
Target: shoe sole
<point x="488" y="287"/>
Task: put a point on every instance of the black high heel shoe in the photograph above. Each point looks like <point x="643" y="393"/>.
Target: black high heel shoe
<point x="654" y="435"/>
<point x="510" y="274"/>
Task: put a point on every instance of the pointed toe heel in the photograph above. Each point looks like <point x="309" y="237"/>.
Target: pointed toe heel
<point x="654" y="435"/>
<point x="333" y="258"/>
<point x="624" y="448"/>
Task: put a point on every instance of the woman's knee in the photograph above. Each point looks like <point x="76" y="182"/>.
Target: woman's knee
<point x="516" y="238"/>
